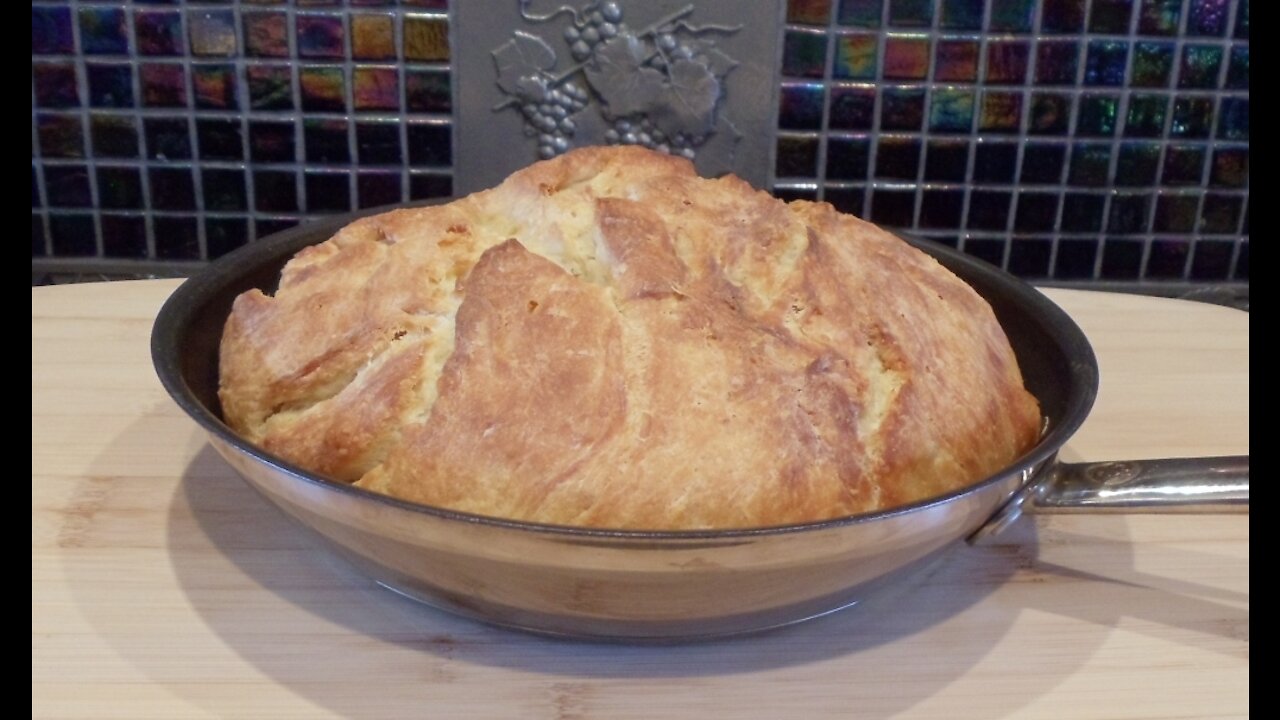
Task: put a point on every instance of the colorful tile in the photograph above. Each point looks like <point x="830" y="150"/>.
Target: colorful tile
<point x="158" y="32"/>
<point x="177" y="238"/>
<point x="378" y="189"/>
<point x="51" y="31"/>
<point x="55" y="85"/>
<point x="378" y="144"/>
<point x="941" y="208"/>
<point x="1050" y="114"/>
<point x="109" y="85"/>
<point x="427" y="91"/>
<point x="1146" y="115"/>
<point x="114" y="136"/>
<point x="1062" y="16"/>
<point x="1128" y="214"/>
<point x="171" y="188"/>
<point x="1176" y="213"/>
<point x="956" y="61"/>
<point x="1106" y="62"/>
<point x="847" y="158"/>
<point x="223" y="190"/>
<point x="1056" y="62"/>
<point x="1152" y="64"/>
<point x="893" y="208"/>
<point x="375" y="88"/>
<point x="898" y="158"/>
<point x="61" y="136"/>
<point x="67" y="186"/>
<point x="323" y="89"/>
<point x="1096" y="115"/>
<point x="167" y="139"/>
<point x="1238" y="69"/>
<point x="1192" y="117"/>
<point x="427" y="39"/>
<point x="946" y="161"/>
<point x="327" y="192"/>
<point x="961" y="14"/>
<point x="1230" y="168"/>
<point x="102" y="31"/>
<point x="1110" y="17"/>
<point x="1159" y="17"/>
<point x="910" y="13"/>
<point x="1036" y="212"/>
<point x="326" y="141"/>
<point x="1200" y="65"/>
<point x="1183" y="165"/>
<point x="906" y="58"/>
<point x="214" y="86"/>
<point x="1136" y="165"/>
<point x="271" y="141"/>
<point x="275" y="191"/>
<point x="1233" y="119"/>
<point x="1082" y="212"/>
<point x="951" y="111"/>
<point x="1001" y="112"/>
<point x="432" y="145"/>
<point x="1167" y="259"/>
<point x="800" y="106"/>
<point x="72" y="235"/>
<point x="1242" y="21"/>
<point x="219" y="139"/>
<point x="852" y="108"/>
<point x="124" y="236"/>
<point x="1043" y="163"/>
<point x="804" y="54"/>
<point x="902" y="108"/>
<point x="1012" y="15"/>
<point x="213" y="33"/>
<point x="855" y="57"/>
<point x="796" y="156"/>
<point x="995" y="162"/>
<point x="860" y="13"/>
<point x="266" y="34"/>
<point x="270" y="87"/>
<point x="373" y="37"/>
<point x="1007" y="62"/>
<point x="1207" y="18"/>
<point x="989" y="210"/>
<point x="808" y="12"/>
<point x="320" y="36"/>
<point x="163" y="85"/>
<point x="428" y="4"/>
<point x="1090" y="165"/>
<point x="119" y="188"/>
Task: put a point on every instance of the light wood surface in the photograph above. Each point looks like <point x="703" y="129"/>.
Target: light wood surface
<point x="163" y="587"/>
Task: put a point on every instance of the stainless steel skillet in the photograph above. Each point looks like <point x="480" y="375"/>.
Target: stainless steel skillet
<point x="672" y="586"/>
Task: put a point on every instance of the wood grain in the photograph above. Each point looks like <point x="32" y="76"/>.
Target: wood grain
<point x="162" y="586"/>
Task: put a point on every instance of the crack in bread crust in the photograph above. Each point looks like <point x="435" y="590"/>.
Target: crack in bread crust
<point x="608" y="340"/>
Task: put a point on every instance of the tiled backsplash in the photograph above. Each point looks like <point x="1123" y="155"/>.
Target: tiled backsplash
<point x="1061" y="139"/>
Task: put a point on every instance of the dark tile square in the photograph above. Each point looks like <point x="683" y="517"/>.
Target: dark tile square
<point x="212" y="33"/>
<point x="275" y="191"/>
<point x="1192" y="117"/>
<point x="1211" y="260"/>
<point x="989" y="250"/>
<point x="1152" y="64"/>
<point x="103" y="32"/>
<point x="51" y="31"/>
<point x="1110" y="17"/>
<point x="1075" y="259"/>
<point x="960" y="14"/>
<point x="1183" y="165"/>
<point x="804" y="54"/>
<point x="951" y="111"/>
<point x="846" y="200"/>
<point x="266" y="34"/>
<point x="110" y="85"/>
<point x="946" y="161"/>
<point x="956" y="61"/>
<point x="1159" y="17"/>
<point x="852" y="108"/>
<point x="113" y="136"/>
<point x="1106" y="62"/>
<point x="1241" y="271"/>
<point x="951" y="241"/>
<point x="171" y="189"/>
<point x="1121" y="259"/>
<point x="378" y="143"/>
<point x="800" y="106"/>
<point x="1043" y="163"/>
<point x="424" y="187"/>
<point x="1176" y="213"/>
<point x="847" y="158"/>
<point x="375" y="88"/>
<point x="328" y="192"/>
<point x="1096" y="115"/>
<point x="859" y="13"/>
<point x="1082" y="212"/>
<point x="323" y="89"/>
<point x="995" y="162"/>
<point x="1220" y="214"/>
<point x="1037" y="212"/>
<point x="1050" y="113"/>
<point x="60" y="136"/>
<point x="906" y="58"/>
<point x="1056" y="62"/>
<point x="989" y="209"/>
<point x="894" y="208"/>
<point x="270" y="87"/>
<point x="268" y="227"/>
<point x="1199" y="67"/>
<point x="177" y="238"/>
<point x="1207" y="18"/>
<point x="430" y="145"/>
<point x="1029" y="258"/>
<point x="910" y="13"/>
<point x="428" y="91"/>
<point x="35" y="189"/>
<point x="1146" y="116"/>
<point x="856" y="57"/>
<point x="1011" y="15"/>
<point x="941" y="209"/>
<point x="124" y="236"/>
<point x="902" y="109"/>
<point x="1001" y="112"/>
<point x="1128" y="214"/>
<point x="167" y="138"/>
<point x="158" y="32"/>
<point x="214" y="87"/>
<point x="320" y="36"/>
<point x="67" y="186"/>
<point x="1168" y="259"/>
<point x="1230" y="167"/>
<point x="1062" y="16"/>
<point x="1137" y="163"/>
<point x="55" y="85"/>
<point x="219" y="139"/>
<point x="119" y="188"/>
<point x="1233" y="120"/>
<point x="1238" y="69"/>
<point x="797" y="156"/>
<point x="377" y="189"/>
<point x="1090" y="165"/>
<point x="163" y="85"/>
<point x="326" y="141"/>
<point x="898" y="159"/>
<point x="1007" y="62"/>
<point x="271" y="141"/>
<point x="1242" y="21"/>
<point x="223" y="190"/>
<point x="72" y="235"/>
<point x="222" y="235"/>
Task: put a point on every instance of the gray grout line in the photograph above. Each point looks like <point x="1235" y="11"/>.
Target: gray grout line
<point x="37" y="162"/>
<point x="144" y="178"/>
<point x="90" y="157"/>
<point x="975" y="135"/>
<point x="242" y="102"/>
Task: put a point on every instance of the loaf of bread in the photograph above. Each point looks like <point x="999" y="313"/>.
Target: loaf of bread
<point x="608" y="340"/>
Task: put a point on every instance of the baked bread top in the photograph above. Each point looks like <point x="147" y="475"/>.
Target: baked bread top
<point x="608" y="340"/>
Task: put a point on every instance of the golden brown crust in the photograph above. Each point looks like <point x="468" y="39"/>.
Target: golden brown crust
<point x="608" y="340"/>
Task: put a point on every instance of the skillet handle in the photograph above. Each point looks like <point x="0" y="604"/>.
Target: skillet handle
<point x="1178" y="485"/>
